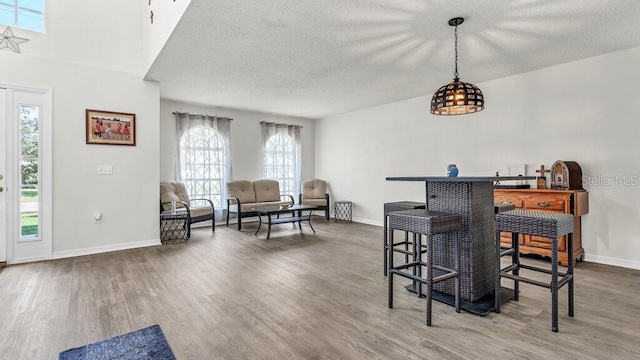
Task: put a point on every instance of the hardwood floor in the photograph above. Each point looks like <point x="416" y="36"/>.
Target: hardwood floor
<point x="233" y="295"/>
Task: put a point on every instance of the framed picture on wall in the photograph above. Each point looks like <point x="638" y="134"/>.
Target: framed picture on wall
<point x="110" y="128"/>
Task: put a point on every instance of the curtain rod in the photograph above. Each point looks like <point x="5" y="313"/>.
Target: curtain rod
<point x="177" y="113"/>
<point x="269" y="122"/>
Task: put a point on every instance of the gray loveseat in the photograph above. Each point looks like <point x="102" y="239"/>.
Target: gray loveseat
<point x="245" y="195"/>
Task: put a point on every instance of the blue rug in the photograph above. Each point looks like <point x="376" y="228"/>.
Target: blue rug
<point x="147" y="343"/>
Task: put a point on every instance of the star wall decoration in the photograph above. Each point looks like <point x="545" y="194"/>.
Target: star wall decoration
<point x="8" y="40"/>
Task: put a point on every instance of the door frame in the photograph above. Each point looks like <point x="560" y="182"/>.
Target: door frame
<point x="44" y="249"/>
<point x="3" y="182"/>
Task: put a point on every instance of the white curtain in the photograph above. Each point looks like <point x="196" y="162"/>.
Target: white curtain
<point x="292" y="131"/>
<point x="185" y="122"/>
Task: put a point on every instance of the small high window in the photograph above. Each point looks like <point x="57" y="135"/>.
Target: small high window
<point x="24" y="14"/>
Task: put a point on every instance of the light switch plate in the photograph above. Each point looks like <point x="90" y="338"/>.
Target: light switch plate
<point x="105" y="170"/>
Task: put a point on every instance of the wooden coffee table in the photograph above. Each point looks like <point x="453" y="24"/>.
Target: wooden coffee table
<point x="266" y="215"/>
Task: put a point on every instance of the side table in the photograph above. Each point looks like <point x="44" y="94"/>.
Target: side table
<point x="174" y="226"/>
<point x="342" y="210"/>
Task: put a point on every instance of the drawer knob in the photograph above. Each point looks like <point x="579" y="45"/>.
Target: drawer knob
<point x="506" y="202"/>
<point x="544" y="204"/>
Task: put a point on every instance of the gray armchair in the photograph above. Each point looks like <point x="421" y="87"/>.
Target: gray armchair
<point x="171" y="191"/>
<point x="314" y="192"/>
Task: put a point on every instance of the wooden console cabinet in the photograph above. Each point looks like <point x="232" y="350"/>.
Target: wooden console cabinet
<point x="574" y="202"/>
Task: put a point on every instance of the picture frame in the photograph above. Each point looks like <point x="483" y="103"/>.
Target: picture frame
<point x="110" y="128"/>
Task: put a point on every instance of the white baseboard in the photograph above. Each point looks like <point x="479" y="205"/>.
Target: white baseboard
<point x="26" y="260"/>
<point x="139" y="244"/>
<point x="105" y="248"/>
<point x="368" y="222"/>
<point x="612" y="261"/>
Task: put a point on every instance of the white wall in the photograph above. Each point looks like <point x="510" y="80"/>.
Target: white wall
<point x="128" y="204"/>
<point x="115" y="34"/>
<point x="245" y="138"/>
<point x="166" y="15"/>
<point x="103" y="34"/>
<point x="91" y="58"/>
<point x="585" y="111"/>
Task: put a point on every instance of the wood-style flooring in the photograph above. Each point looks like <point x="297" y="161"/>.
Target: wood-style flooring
<point x="298" y="295"/>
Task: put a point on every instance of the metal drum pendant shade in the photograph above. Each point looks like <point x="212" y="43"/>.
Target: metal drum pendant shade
<point x="458" y="97"/>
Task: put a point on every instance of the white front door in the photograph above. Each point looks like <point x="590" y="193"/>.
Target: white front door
<point x="26" y="168"/>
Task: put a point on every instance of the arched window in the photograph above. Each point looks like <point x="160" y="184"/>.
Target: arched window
<point x="202" y="160"/>
<point x="280" y="163"/>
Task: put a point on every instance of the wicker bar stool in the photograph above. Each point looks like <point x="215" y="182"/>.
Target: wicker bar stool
<point x="398" y="206"/>
<point x="430" y="224"/>
<point x="502" y="207"/>
<point x="538" y="223"/>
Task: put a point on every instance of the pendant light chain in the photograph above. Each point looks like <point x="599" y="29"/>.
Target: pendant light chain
<point x="455" y="74"/>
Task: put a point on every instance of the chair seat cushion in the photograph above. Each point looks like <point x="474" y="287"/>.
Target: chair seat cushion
<point x="402" y="205"/>
<point x="249" y="206"/>
<point x="197" y="211"/>
<point x="500" y="207"/>
<point x="314" y="202"/>
<point x="426" y="222"/>
<point x="547" y="224"/>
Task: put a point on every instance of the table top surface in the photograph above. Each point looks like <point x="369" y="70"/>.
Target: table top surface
<point x="276" y="209"/>
<point x="459" y="178"/>
<point x="174" y="213"/>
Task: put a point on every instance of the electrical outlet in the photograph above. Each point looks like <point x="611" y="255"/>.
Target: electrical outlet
<point x="105" y="170"/>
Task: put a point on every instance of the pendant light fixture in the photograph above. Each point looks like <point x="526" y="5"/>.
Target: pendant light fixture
<point x="458" y="97"/>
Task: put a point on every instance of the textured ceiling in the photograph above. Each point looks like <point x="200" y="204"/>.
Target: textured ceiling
<point x="315" y="58"/>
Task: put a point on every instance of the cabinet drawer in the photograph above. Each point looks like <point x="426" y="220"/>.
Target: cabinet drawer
<point x="547" y="203"/>
<point x="545" y="243"/>
<point x="508" y="199"/>
<point x="561" y="201"/>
